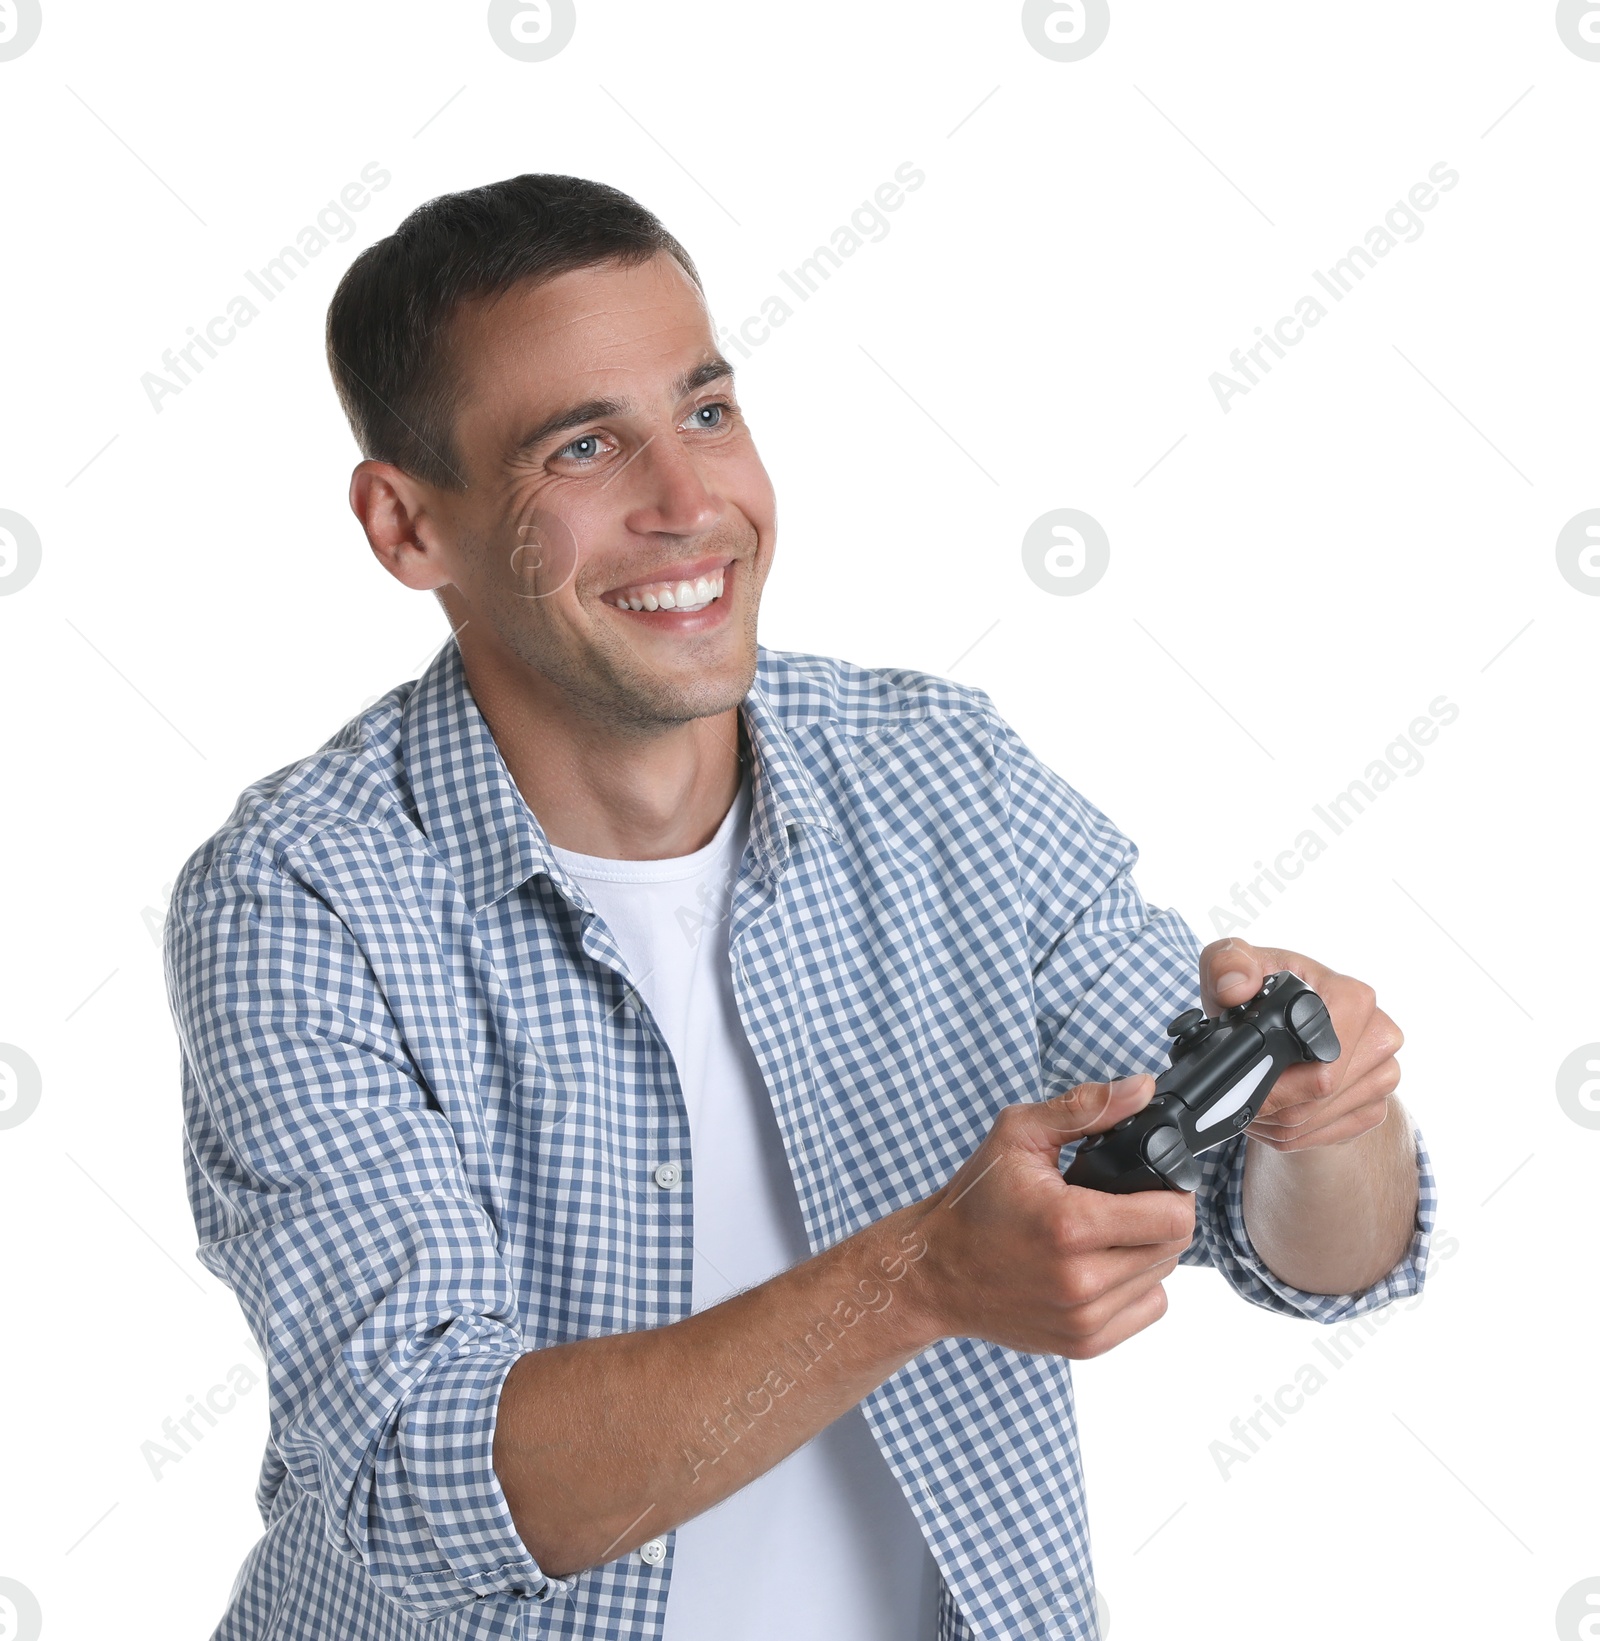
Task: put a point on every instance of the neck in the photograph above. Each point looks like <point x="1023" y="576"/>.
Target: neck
<point x="617" y="795"/>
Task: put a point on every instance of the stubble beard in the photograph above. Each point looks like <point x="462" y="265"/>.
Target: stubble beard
<point x="607" y="681"/>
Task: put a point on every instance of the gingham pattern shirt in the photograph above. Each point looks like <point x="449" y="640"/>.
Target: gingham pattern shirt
<point x="424" y="1107"/>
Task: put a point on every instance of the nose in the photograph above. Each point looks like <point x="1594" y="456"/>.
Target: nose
<point x="668" y="493"/>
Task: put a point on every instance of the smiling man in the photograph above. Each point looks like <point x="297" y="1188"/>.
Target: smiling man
<point x="626" y="1071"/>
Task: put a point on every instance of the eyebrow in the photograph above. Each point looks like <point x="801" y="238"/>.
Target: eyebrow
<point x="592" y="410"/>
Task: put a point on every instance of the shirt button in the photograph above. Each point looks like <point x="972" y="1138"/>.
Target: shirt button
<point x="667" y="1176"/>
<point x="654" y="1552"/>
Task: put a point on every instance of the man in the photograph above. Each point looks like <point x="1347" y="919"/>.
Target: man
<point x="626" y="1071"/>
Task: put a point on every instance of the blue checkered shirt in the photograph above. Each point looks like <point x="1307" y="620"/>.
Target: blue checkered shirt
<point x="424" y="1106"/>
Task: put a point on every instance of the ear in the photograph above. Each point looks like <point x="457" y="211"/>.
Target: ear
<point x="400" y="514"/>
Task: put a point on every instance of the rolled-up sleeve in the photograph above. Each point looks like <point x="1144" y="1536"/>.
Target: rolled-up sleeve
<point x="1222" y="1240"/>
<point x="1110" y="972"/>
<point x="329" y="1194"/>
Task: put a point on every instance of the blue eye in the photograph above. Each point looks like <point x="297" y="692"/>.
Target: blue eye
<point x="714" y="412"/>
<point x="584" y="449"/>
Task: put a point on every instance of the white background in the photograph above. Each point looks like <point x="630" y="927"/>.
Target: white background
<point x="1371" y="527"/>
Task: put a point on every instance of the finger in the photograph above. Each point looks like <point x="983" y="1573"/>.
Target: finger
<point x="1362" y="1106"/>
<point x="1095" y="1316"/>
<point x="1377" y="1084"/>
<point x="1231" y="971"/>
<point x="1093" y="1221"/>
<point x="1376" y="1040"/>
<point x="1131" y="1319"/>
<point x="1352" y="1004"/>
<point x="1100" y="1278"/>
<point x="1295" y="1122"/>
<point x="1304" y="1091"/>
<point x="1025" y="1136"/>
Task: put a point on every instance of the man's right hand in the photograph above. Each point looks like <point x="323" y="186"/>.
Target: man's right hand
<point x="659" y="1425"/>
<point x="1017" y="1256"/>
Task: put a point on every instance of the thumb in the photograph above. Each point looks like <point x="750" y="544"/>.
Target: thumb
<point x="1231" y="971"/>
<point x="1091" y="1108"/>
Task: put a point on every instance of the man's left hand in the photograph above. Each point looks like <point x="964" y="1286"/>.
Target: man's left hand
<point x="1313" y="1104"/>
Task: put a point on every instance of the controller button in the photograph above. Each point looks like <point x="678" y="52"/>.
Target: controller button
<point x="1163" y="1146"/>
<point x="1184" y="1173"/>
<point x="1185" y="1022"/>
<point x="1117" y="1128"/>
<point x="1308" y="1020"/>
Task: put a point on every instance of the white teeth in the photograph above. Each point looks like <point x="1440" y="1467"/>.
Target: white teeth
<point x="680" y="595"/>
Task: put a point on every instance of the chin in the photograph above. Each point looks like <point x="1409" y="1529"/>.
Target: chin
<point x="667" y="699"/>
<point x="704" y="698"/>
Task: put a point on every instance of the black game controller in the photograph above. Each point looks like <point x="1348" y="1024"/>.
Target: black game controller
<point x="1222" y="1071"/>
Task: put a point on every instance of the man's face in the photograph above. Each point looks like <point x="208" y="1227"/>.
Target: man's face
<point x="618" y="524"/>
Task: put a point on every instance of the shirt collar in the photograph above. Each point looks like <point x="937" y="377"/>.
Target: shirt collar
<point x="476" y="817"/>
<point x="786" y="794"/>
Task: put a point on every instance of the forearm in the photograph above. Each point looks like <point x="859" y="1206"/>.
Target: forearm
<point x="1334" y="1219"/>
<point x="604" y="1443"/>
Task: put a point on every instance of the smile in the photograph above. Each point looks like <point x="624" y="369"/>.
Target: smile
<point x="686" y="596"/>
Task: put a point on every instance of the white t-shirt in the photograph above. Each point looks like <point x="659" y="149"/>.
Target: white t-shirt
<point x="825" y="1540"/>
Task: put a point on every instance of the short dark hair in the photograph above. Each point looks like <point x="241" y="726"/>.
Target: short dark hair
<point x="388" y="320"/>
